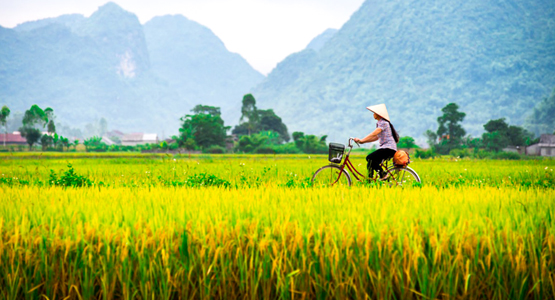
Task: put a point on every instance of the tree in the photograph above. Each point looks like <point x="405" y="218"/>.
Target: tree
<point x="269" y="121"/>
<point x="499" y="135"/>
<point x="94" y="144"/>
<point x="65" y="142"/>
<point x="449" y="131"/>
<point x="206" y="127"/>
<point x="32" y="135"/>
<point x="249" y="143"/>
<point x="310" y="143"/>
<point x="254" y="120"/>
<point x="207" y="110"/>
<point x="45" y="141"/>
<point x="51" y="127"/>
<point x="34" y="117"/>
<point x="249" y="113"/>
<point x="431" y="138"/>
<point x="4" y="113"/>
<point x="407" y="142"/>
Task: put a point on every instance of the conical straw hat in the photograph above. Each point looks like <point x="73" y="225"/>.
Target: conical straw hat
<point x="380" y="110"/>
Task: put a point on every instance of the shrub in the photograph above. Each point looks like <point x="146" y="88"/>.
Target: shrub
<point x="265" y="150"/>
<point x="174" y="146"/>
<point x="506" y="155"/>
<point x="215" y="149"/>
<point x="288" y="148"/>
<point x="459" y="153"/>
<point x="69" y="179"/>
<point x="425" y="153"/>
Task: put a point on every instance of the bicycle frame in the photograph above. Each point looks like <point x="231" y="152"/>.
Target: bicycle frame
<point x="347" y="163"/>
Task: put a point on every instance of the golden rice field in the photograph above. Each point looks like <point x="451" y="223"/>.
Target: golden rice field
<point x="251" y="227"/>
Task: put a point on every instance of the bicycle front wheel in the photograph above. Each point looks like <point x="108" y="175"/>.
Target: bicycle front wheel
<point x="399" y="176"/>
<point x="331" y="175"/>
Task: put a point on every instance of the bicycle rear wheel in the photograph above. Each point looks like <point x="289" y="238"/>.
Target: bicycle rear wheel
<point x="331" y="175"/>
<point x="399" y="176"/>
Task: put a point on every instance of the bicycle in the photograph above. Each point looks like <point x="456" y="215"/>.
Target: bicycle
<point x="337" y="173"/>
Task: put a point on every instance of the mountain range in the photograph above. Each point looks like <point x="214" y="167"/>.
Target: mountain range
<point x="137" y="77"/>
<point x="494" y="58"/>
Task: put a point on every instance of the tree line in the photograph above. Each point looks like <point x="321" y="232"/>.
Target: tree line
<point x="258" y="131"/>
<point x="450" y="137"/>
<point x="262" y="131"/>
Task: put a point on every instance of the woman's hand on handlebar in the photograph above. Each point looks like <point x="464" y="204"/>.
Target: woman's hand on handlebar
<point x="357" y="140"/>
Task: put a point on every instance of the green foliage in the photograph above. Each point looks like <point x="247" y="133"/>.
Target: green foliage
<point x="4" y="113"/>
<point x="254" y="120"/>
<point x="205" y="128"/>
<point x="310" y="143"/>
<point x="215" y="149"/>
<point x="499" y="135"/>
<point x="449" y="129"/>
<point x="197" y="181"/>
<point x="407" y="142"/>
<point x="207" y="110"/>
<point x="265" y="149"/>
<point x="69" y="179"/>
<point x="503" y="69"/>
<point x="249" y="143"/>
<point x="269" y="121"/>
<point x="249" y="114"/>
<point x="431" y="138"/>
<point x="473" y="143"/>
<point x="95" y="144"/>
<point x="542" y="118"/>
<point x="174" y="146"/>
<point x="32" y="135"/>
<point x="35" y="116"/>
<point x="429" y="153"/>
<point x="288" y="148"/>
<point x="460" y="153"/>
<point x="46" y="141"/>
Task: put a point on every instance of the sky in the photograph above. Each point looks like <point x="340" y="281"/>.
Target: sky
<point x="263" y="32"/>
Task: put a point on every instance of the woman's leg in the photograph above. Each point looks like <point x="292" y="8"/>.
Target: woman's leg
<point x="375" y="158"/>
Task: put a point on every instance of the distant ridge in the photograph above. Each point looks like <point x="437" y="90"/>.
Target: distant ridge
<point x="494" y="58"/>
<point x="108" y="66"/>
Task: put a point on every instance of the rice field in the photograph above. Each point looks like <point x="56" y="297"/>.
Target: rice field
<point x="251" y="227"/>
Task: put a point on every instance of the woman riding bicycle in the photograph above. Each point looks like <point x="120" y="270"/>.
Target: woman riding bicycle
<point x="387" y="136"/>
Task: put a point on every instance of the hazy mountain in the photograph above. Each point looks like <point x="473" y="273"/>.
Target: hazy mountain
<point x="196" y="64"/>
<point x="494" y="58"/>
<point x="542" y="119"/>
<point x="101" y="66"/>
<point x="318" y="42"/>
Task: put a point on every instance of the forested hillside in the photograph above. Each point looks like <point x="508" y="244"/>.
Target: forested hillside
<point x="494" y="58"/>
<point x="195" y="63"/>
<point x="110" y="66"/>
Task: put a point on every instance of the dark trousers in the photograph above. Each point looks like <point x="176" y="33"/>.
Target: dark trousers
<point x="375" y="158"/>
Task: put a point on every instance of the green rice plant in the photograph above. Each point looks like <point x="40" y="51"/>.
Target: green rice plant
<point x="69" y="178"/>
<point x="247" y="227"/>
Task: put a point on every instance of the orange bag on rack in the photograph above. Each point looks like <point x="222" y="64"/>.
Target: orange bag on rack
<point x="401" y="158"/>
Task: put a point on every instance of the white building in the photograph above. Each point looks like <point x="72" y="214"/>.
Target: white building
<point x="133" y="139"/>
<point x="546" y="146"/>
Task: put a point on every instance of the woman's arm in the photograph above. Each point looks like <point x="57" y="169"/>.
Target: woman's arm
<point x="372" y="137"/>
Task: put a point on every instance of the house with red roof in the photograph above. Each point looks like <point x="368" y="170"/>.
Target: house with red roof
<point x="13" y="138"/>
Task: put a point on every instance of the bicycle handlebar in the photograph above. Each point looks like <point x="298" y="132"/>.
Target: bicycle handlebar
<point x="352" y="139"/>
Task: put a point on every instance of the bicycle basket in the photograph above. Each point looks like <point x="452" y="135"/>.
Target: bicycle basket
<point x="336" y="152"/>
